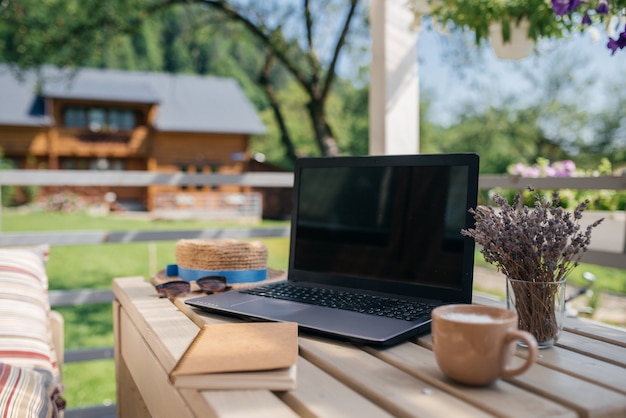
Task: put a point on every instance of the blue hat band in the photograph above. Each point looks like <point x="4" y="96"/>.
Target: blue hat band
<point x="232" y="276"/>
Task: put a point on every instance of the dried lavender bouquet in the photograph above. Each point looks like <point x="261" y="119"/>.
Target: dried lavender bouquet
<point x="541" y="245"/>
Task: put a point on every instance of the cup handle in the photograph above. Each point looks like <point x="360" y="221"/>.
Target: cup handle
<point x="531" y="343"/>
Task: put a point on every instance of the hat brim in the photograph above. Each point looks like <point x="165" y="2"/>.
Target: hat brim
<point x="272" y="276"/>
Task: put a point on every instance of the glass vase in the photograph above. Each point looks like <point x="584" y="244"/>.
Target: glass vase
<point x="540" y="308"/>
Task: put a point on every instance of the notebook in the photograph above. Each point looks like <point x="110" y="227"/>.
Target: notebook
<point x="240" y="356"/>
<point x="379" y="232"/>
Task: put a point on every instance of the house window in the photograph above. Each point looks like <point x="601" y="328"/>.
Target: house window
<point x="199" y="170"/>
<point x="99" y="119"/>
<point x="75" y="117"/>
<point x="77" y="163"/>
<point x="184" y="169"/>
<point x="121" y="119"/>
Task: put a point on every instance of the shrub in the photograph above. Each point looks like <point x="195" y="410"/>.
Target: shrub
<point x="64" y="202"/>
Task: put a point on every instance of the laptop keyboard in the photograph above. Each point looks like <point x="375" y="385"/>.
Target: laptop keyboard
<point x="346" y="300"/>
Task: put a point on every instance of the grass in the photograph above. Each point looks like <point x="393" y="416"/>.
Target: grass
<point x="94" y="266"/>
<point x="14" y="220"/>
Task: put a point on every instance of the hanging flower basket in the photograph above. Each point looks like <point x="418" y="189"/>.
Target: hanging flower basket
<point x="518" y="46"/>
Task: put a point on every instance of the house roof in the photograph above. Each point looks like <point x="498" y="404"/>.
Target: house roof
<point x="187" y="103"/>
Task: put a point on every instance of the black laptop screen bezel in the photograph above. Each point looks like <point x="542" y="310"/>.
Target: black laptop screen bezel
<point x="462" y="294"/>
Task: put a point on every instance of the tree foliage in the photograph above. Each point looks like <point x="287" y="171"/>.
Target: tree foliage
<point x="550" y="118"/>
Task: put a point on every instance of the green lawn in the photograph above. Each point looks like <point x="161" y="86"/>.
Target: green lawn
<point x="17" y="220"/>
<point x="94" y="266"/>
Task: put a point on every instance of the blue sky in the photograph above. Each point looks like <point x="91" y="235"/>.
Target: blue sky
<point x="456" y="74"/>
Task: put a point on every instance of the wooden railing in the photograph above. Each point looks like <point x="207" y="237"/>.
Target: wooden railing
<point x="614" y="258"/>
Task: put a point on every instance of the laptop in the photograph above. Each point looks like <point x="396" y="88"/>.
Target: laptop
<point x="379" y="232"/>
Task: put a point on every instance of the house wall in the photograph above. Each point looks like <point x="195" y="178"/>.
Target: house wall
<point x="19" y="142"/>
<point x="197" y="153"/>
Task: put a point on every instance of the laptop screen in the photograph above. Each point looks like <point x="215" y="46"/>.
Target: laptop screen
<point x="389" y="223"/>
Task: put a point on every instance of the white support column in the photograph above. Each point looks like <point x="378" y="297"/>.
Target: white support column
<point x="394" y="84"/>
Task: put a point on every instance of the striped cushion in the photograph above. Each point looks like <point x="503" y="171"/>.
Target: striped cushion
<point x="25" y="333"/>
<point x="24" y="393"/>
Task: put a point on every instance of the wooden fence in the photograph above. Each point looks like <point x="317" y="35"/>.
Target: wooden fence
<point x="613" y="258"/>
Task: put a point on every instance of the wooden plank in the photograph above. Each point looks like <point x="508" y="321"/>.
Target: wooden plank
<point x="80" y="297"/>
<point x="578" y="183"/>
<point x="588" y="399"/>
<point x="57" y="327"/>
<point x="102" y="237"/>
<point x="245" y="404"/>
<point x="596" y="330"/>
<point x="500" y="399"/>
<point x="130" y="178"/>
<point x="586" y="368"/>
<point x="605" y="258"/>
<point x="338" y="400"/>
<point x="88" y="354"/>
<point x="592" y="347"/>
<point x="148" y="373"/>
<point x="209" y="233"/>
<point x="129" y="403"/>
<point x="390" y="388"/>
<point x="96" y="411"/>
<point x="560" y="377"/>
<point x="17" y="239"/>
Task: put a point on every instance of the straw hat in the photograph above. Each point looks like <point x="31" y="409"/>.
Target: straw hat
<point x="244" y="264"/>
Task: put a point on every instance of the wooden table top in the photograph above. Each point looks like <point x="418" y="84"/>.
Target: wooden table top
<point x="583" y="376"/>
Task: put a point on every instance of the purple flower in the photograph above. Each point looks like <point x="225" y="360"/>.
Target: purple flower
<point x="603" y="7"/>
<point x="565" y="168"/>
<point x="619" y="43"/>
<point x="563" y="7"/>
<point x="586" y="19"/>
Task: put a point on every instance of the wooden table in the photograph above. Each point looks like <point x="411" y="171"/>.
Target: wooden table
<point x="584" y="376"/>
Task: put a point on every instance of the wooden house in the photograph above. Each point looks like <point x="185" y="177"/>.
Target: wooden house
<point x="117" y="120"/>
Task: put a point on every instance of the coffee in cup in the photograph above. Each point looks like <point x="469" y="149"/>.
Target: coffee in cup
<point x="475" y="345"/>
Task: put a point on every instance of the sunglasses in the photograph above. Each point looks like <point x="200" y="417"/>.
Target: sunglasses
<point x="209" y="284"/>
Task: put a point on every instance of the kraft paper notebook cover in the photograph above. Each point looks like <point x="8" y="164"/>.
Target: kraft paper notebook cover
<point x="259" y="355"/>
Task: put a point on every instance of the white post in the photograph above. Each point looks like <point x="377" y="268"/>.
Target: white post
<point x="394" y="86"/>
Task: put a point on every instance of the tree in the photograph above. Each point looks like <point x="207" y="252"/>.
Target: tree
<point x="298" y="52"/>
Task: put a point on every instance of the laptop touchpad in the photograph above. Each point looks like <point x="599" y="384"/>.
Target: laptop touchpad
<point x="271" y="308"/>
